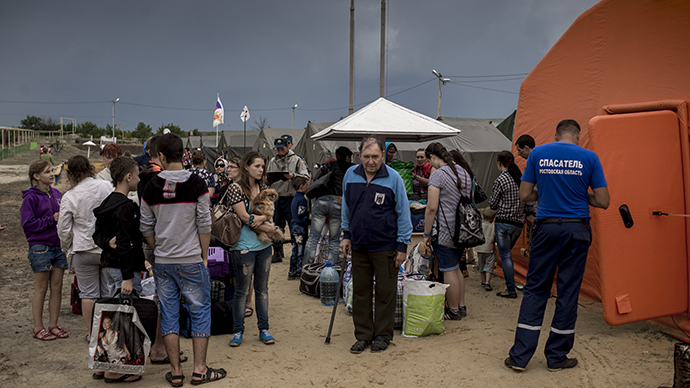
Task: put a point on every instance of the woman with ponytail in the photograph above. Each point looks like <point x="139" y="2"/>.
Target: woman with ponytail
<point x="510" y="215"/>
<point x="446" y="185"/>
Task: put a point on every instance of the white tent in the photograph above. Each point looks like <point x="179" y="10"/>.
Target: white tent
<point x="389" y="120"/>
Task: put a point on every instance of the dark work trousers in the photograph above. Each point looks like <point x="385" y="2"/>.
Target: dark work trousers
<point x="281" y="216"/>
<point x="555" y="247"/>
<point x="369" y="325"/>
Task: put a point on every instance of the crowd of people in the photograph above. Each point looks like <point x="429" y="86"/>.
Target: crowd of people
<point x="158" y="209"/>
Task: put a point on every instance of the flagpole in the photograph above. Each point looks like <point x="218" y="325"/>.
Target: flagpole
<point x="245" y="136"/>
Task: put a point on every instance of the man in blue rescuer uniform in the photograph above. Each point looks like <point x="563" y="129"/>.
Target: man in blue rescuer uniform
<point x="564" y="172"/>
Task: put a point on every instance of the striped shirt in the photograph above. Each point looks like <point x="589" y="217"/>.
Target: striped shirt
<point x="449" y="196"/>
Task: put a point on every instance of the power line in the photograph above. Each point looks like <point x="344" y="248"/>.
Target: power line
<point x="479" y="87"/>
<point x="408" y="89"/>
<point x="55" y="103"/>
<point x="488" y="76"/>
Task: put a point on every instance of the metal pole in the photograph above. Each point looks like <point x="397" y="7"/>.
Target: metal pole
<point x="382" y="72"/>
<point x="351" y="107"/>
<point x="439" y="97"/>
<point x="113" y="127"/>
<point x="293" y="117"/>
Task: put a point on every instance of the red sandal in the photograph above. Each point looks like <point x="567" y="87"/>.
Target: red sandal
<point x="43" y="334"/>
<point x="61" y="332"/>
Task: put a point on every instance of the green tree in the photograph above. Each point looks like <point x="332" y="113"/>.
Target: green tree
<point x="87" y="128"/>
<point x="142" y="131"/>
<point x="173" y="128"/>
<point x="31" y="122"/>
<point x="196" y="132"/>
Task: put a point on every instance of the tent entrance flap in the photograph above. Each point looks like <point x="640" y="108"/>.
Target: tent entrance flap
<point x="643" y="269"/>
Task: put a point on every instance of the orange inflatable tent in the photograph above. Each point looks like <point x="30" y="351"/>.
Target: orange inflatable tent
<point x="621" y="71"/>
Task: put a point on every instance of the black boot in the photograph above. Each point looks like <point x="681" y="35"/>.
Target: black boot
<point x="277" y="254"/>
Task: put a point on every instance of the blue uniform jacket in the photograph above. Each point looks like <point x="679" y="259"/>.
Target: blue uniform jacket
<point x="375" y="215"/>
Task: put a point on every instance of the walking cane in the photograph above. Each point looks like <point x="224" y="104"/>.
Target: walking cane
<point x="335" y="306"/>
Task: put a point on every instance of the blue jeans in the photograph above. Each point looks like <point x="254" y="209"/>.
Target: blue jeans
<point x="299" y="240"/>
<point x="194" y="283"/>
<point x="506" y="237"/>
<point x="46" y="257"/>
<point x="258" y="264"/>
<point x="111" y="282"/>
<point x="325" y="207"/>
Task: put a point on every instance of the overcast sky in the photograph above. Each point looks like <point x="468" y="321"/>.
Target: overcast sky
<point x="167" y="60"/>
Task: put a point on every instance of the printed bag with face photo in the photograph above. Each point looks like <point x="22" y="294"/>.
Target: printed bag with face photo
<point x="119" y="342"/>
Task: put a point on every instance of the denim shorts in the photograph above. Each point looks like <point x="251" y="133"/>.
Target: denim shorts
<point x="448" y="259"/>
<point x="194" y="283"/>
<point x="46" y="257"/>
<point x="111" y="282"/>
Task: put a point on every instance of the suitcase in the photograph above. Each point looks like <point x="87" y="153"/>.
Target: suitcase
<point x="75" y="300"/>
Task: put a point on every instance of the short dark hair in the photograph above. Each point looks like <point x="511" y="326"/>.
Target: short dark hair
<point x="568" y="125"/>
<point x="525" y="140"/>
<point x="120" y="167"/>
<point x="298" y="181"/>
<point x="342" y="152"/>
<point x="78" y="169"/>
<point x="198" y="157"/>
<point x="152" y="143"/>
<point x="171" y="146"/>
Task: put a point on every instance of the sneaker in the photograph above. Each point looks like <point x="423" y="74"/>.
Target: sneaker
<point x="292" y="276"/>
<point x="568" y="363"/>
<point x="512" y="365"/>
<point x="452" y="315"/>
<point x="463" y="311"/>
<point x="236" y="340"/>
<point x="266" y="337"/>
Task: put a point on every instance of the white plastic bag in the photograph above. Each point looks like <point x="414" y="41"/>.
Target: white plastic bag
<point x="119" y="342"/>
<point x="423" y="308"/>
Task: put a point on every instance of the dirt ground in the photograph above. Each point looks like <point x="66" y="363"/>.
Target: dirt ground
<point x="469" y="354"/>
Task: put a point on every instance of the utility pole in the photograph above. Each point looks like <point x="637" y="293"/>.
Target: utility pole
<point x="351" y="107"/>
<point x="441" y="81"/>
<point x="383" y="49"/>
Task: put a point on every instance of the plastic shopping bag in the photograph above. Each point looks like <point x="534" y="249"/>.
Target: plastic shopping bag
<point x="119" y="342"/>
<point x="423" y="307"/>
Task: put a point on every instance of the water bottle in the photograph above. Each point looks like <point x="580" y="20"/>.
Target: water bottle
<point x="329" y="284"/>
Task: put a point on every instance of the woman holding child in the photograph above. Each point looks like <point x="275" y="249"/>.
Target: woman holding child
<point x="250" y="257"/>
<point x="446" y="185"/>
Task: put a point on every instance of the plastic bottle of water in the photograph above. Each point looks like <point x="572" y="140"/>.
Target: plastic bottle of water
<point x="329" y="284"/>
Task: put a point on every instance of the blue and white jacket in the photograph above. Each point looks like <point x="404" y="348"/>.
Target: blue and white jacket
<point x="375" y="215"/>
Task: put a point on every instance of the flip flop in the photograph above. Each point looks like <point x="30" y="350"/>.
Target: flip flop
<point x="166" y="360"/>
<point x="248" y="311"/>
<point x="44" y="335"/>
<point x="123" y="379"/>
<point x="61" y="332"/>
